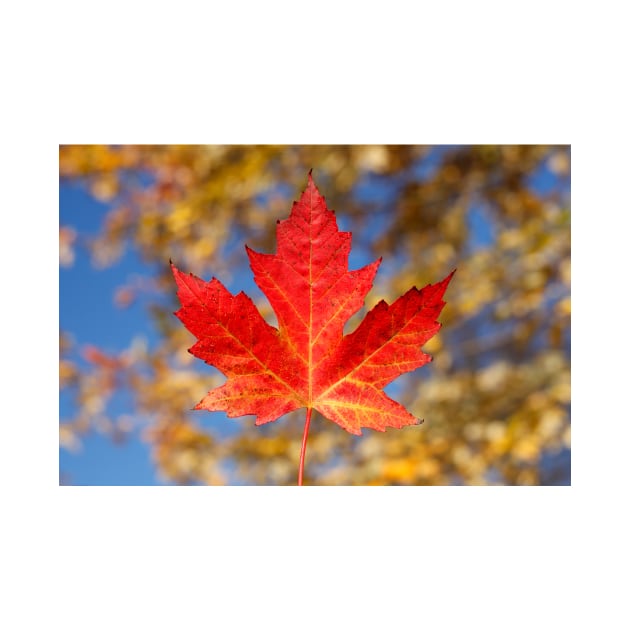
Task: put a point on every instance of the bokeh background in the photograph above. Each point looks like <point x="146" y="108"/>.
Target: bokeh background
<point x="495" y="399"/>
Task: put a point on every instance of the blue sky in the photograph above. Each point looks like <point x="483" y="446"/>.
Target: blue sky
<point x="88" y="312"/>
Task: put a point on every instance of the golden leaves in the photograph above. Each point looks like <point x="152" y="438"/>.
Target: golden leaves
<point x="67" y="237"/>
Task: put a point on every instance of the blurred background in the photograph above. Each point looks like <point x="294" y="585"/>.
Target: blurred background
<point x="495" y="399"/>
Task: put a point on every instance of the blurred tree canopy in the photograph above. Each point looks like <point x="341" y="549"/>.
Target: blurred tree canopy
<point x="496" y="398"/>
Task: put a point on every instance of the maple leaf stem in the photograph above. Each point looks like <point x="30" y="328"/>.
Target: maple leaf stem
<point x="309" y="411"/>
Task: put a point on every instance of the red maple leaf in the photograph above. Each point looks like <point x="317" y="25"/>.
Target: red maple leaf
<point x="307" y="361"/>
